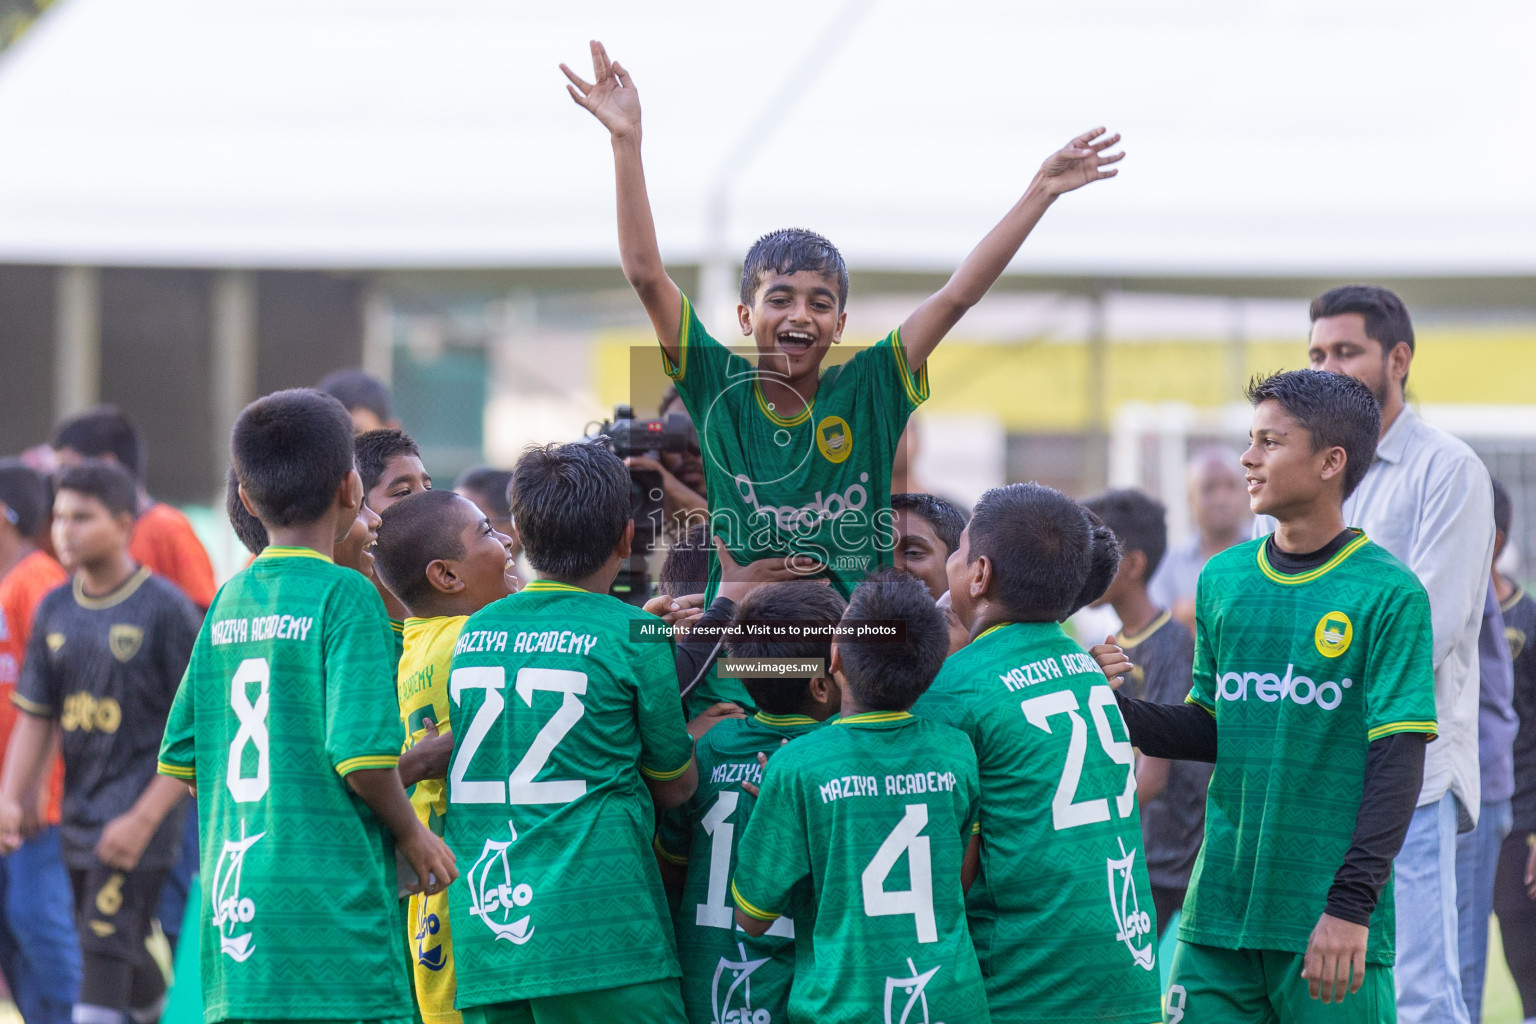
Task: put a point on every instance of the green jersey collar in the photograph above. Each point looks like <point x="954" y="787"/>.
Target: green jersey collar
<point x="273" y="551"/>
<point x="1033" y="627"/>
<point x="782" y="721"/>
<point x="1307" y="577"/>
<point x="550" y="585"/>
<point x="876" y="718"/>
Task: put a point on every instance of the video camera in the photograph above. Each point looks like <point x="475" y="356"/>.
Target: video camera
<point x="625" y="436"/>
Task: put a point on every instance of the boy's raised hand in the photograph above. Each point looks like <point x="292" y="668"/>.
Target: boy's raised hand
<point x="612" y="99"/>
<point x="1077" y="163"/>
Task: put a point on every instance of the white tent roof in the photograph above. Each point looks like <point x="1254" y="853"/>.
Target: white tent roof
<point x="1272" y="137"/>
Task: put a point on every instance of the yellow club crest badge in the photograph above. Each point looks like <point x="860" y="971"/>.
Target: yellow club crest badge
<point x="124" y="640"/>
<point x="834" y="439"/>
<point x="1333" y="634"/>
<point x="55" y="641"/>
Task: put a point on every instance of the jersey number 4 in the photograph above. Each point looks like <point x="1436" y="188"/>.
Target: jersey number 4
<point x="918" y="900"/>
<point x="519" y="787"/>
<point x="1066" y="810"/>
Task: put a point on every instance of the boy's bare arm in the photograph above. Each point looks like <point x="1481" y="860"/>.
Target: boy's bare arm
<point x="21" y="781"/>
<point x="427" y="855"/>
<point x="1079" y="162"/>
<point x="612" y="99"/>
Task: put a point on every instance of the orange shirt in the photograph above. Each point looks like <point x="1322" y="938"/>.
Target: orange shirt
<point x="164" y="541"/>
<point x="21" y="590"/>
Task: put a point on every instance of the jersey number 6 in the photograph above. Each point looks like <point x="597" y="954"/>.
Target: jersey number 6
<point x="519" y="787"/>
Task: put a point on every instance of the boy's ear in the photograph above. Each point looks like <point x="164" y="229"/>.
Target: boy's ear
<point x="744" y="317"/>
<point x="442" y="577"/>
<point x="835" y="664"/>
<point x="350" y="494"/>
<point x="824" y="691"/>
<point x="979" y="578"/>
<point x="837" y="335"/>
<point x="1334" y="460"/>
<point x="626" y="540"/>
<point x="1133" y="565"/>
<point x="245" y="499"/>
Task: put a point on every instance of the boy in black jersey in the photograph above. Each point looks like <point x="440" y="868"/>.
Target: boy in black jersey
<point x="106" y="655"/>
<point x="1171" y="793"/>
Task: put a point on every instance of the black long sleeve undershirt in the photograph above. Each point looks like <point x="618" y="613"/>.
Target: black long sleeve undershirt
<point x="694" y="656"/>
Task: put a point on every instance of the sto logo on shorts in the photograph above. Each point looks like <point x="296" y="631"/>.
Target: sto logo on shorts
<point x="1333" y="634"/>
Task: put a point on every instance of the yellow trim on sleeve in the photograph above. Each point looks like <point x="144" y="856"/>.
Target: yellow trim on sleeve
<point x="31" y="707"/>
<point x="677" y="370"/>
<point x="667" y="855"/>
<point x="367" y="762"/>
<point x="750" y="909"/>
<point x="1190" y="698"/>
<point x="976" y="828"/>
<point x="919" y="394"/>
<point x="1389" y="728"/>
<point x="176" y="771"/>
<point x="1308" y="577"/>
<point x="656" y="776"/>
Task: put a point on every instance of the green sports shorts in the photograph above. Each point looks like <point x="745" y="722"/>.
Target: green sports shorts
<point x="1210" y="985"/>
<point x="649" y="1002"/>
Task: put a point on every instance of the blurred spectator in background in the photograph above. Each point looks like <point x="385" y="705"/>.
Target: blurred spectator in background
<point x="365" y="396"/>
<point x="1162" y="649"/>
<point x="1218" y="504"/>
<point x="1514" y="890"/>
<point x="684" y="494"/>
<point x="39" y="950"/>
<point x="163" y="539"/>
<point x="1477" y="852"/>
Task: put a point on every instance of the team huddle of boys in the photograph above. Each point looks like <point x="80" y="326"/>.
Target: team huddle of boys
<point x="427" y="790"/>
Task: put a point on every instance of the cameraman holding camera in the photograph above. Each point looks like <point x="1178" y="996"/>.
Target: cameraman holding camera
<point x="682" y="472"/>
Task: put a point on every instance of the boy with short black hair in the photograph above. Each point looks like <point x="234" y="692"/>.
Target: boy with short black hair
<point x="927" y="529"/>
<point x="287" y="726"/>
<point x="445" y="560"/>
<point x="842" y="807"/>
<point x="568" y="728"/>
<point x="1058" y="800"/>
<point x="1314" y="696"/>
<point x="39" y="950"/>
<point x="724" y="970"/>
<point x="1171" y="793"/>
<point x="163" y="538"/>
<point x="390" y="465"/>
<point x="799" y="463"/>
<point x="102" y="666"/>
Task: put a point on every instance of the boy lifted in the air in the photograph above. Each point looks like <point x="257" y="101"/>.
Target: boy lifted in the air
<point x="798" y="463"/>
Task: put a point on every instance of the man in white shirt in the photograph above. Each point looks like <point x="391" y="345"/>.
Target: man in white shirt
<point x="1428" y="500"/>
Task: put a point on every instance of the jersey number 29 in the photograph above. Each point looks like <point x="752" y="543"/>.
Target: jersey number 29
<point x="1066" y="810"/>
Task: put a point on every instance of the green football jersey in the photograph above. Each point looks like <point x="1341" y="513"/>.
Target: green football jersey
<point x="729" y="977"/>
<point x="1302" y="672"/>
<point x="861" y="832"/>
<point x="559" y="707"/>
<point x="291" y="688"/>
<point x="817" y="482"/>
<point x="1061" y="913"/>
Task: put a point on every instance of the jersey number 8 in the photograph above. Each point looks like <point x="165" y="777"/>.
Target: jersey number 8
<point x="253" y="730"/>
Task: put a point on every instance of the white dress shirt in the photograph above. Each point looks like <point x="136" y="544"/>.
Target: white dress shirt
<point x="1428" y="500"/>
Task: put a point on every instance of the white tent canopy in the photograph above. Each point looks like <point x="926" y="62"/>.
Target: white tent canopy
<point x="1274" y="137"/>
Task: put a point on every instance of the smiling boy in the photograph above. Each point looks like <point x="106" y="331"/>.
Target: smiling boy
<point x="1314" y="695"/>
<point x="797" y="462"/>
